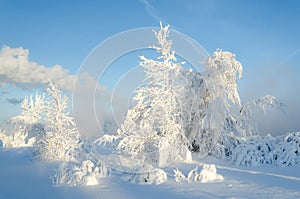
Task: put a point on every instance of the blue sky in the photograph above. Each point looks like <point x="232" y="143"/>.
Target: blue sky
<point x="263" y="34"/>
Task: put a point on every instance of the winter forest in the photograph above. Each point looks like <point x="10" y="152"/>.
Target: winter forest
<point x="178" y="117"/>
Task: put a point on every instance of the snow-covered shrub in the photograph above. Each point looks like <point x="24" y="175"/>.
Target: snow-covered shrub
<point x="61" y="140"/>
<point x="179" y="176"/>
<point x="148" y="175"/>
<point x="253" y="152"/>
<point x="193" y="174"/>
<point x="281" y="151"/>
<point x="207" y="174"/>
<point x="86" y="174"/>
<point x="287" y="152"/>
<point x="225" y="147"/>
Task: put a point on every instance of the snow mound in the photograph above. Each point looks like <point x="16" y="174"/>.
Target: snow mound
<point x="206" y="175"/>
<point x="148" y="175"/>
<point x="209" y="174"/>
<point x="86" y="174"/>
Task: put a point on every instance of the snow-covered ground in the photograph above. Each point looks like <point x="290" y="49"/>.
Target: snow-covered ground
<point x="23" y="177"/>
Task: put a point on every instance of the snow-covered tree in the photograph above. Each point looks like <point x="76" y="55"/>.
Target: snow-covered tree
<point x="61" y="138"/>
<point x="210" y="97"/>
<point x="22" y="130"/>
<point x="151" y="128"/>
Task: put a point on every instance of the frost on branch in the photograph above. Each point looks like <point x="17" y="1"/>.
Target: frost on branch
<point x="246" y="122"/>
<point x="221" y="70"/>
<point x="165" y="45"/>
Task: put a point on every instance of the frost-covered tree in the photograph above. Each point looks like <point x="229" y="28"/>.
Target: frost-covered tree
<point x="61" y="138"/>
<point x="22" y="130"/>
<point x="210" y="97"/>
<point x="152" y="129"/>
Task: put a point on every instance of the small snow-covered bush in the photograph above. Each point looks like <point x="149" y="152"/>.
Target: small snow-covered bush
<point x="86" y="174"/>
<point x="288" y="151"/>
<point x="207" y="174"/>
<point x="148" y="175"/>
<point x="224" y="148"/>
<point x="193" y="175"/>
<point x="179" y="176"/>
<point x="254" y="152"/>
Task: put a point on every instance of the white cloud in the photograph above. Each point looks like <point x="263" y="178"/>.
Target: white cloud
<point x="17" y="70"/>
